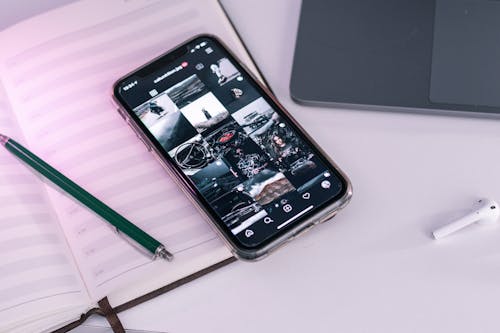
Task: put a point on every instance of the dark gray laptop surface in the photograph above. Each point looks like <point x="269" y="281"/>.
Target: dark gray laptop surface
<point x="427" y="55"/>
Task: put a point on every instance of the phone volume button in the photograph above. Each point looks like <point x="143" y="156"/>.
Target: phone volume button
<point x="122" y="114"/>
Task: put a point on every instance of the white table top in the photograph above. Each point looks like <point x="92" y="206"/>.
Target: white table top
<point x="375" y="267"/>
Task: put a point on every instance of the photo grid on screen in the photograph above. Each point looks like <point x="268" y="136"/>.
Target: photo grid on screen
<point x="240" y="154"/>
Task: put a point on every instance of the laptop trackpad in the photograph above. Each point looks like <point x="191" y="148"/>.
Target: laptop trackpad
<point x="466" y="53"/>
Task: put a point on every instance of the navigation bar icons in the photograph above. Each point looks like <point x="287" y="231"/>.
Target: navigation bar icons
<point x="268" y="220"/>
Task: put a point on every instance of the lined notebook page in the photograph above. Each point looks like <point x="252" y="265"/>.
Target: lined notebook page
<point x="60" y="85"/>
<point x="37" y="277"/>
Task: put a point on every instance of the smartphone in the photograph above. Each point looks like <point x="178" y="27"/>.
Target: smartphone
<point x="248" y="166"/>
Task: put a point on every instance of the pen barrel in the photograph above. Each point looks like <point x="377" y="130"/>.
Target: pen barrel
<point x="87" y="199"/>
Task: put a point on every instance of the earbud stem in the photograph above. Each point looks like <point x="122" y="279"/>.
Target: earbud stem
<point x="455" y="226"/>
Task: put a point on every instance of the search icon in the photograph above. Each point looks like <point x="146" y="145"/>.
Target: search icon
<point x="268" y="220"/>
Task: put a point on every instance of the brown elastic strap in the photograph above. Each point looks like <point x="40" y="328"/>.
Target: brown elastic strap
<point x="111" y="316"/>
<point x="105" y="309"/>
<point x="77" y="323"/>
<point x="172" y="286"/>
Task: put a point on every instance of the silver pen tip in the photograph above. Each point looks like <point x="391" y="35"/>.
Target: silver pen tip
<point x="162" y="252"/>
<point x="3" y="139"/>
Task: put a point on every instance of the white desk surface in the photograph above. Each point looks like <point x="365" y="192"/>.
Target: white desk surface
<point x="375" y="267"/>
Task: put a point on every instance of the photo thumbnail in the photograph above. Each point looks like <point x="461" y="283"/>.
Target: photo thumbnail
<point x="223" y="71"/>
<point x="187" y="91"/>
<point x="153" y="110"/>
<point x="287" y="149"/>
<point x="215" y="180"/>
<point x="218" y="184"/>
<point x="192" y="155"/>
<point x="256" y="118"/>
<point x="165" y="121"/>
<point x="301" y="169"/>
<point x="228" y="141"/>
<point x="236" y="94"/>
<point x="267" y="186"/>
<point x="225" y="137"/>
<point x="248" y="158"/>
<point x="205" y="112"/>
<point x="275" y="137"/>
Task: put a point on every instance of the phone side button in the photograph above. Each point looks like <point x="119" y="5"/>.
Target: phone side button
<point x="121" y="114"/>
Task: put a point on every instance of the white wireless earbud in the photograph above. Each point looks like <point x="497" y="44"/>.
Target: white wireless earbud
<point x="486" y="211"/>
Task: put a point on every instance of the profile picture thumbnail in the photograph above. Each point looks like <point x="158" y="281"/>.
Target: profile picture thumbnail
<point x="165" y="121"/>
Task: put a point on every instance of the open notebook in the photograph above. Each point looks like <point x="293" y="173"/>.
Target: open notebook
<point x="57" y="260"/>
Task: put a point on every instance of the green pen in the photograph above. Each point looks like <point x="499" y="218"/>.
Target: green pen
<point x="120" y="224"/>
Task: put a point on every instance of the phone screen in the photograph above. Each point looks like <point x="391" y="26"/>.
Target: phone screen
<point x="248" y="163"/>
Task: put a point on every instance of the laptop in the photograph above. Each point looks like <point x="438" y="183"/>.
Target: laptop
<point x="433" y="56"/>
